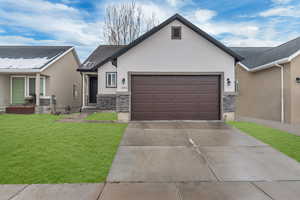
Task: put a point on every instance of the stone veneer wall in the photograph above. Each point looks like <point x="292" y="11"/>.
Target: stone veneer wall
<point x="229" y="103"/>
<point x="123" y="102"/>
<point x="106" y="101"/>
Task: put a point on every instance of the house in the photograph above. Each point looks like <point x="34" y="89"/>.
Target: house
<point x="35" y="73"/>
<point x="175" y="71"/>
<point x="269" y="82"/>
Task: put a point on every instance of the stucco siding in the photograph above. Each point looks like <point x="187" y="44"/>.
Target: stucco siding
<point x="62" y="76"/>
<point x="259" y="94"/>
<point x="108" y="67"/>
<point x="159" y="53"/>
<point x="295" y="91"/>
<point x="4" y="90"/>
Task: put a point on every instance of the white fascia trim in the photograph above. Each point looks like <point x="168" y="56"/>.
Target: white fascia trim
<point x="271" y="64"/>
<point x="243" y="66"/>
<point x="19" y="70"/>
<point x="294" y="55"/>
<point x="56" y="59"/>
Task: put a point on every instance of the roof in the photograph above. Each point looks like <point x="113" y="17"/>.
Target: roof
<point x="29" y="57"/>
<point x="259" y="56"/>
<point x="98" y="56"/>
<point x="123" y="49"/>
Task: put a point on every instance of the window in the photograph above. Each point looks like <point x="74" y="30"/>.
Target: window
<point x="31" y="86"/>
<point x="111" y="79"/>
<point x="176" y="33"/>
<point x="75" y="93"/>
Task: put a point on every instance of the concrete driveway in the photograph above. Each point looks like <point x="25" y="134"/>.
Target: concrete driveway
<point x="182" y="161"/>
<point x="190" y="151"/>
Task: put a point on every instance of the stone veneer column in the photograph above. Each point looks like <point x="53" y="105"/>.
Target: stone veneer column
<point x="229" y="106"/>
<point x="123" y="102"/>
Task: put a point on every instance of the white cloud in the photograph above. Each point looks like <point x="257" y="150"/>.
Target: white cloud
<point x="160" y="11"/>
<point x="179" y="3"/>
<point x="204" y="19"/>
<point x="289" y="11"/>
<point x="203" y="15"/>
<point x="250" y="42"/>
<point x="282" y="1"/>
<point x="64" y="24"/>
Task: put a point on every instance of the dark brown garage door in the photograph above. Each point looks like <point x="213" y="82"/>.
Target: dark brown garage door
<point x="168" y="97"/>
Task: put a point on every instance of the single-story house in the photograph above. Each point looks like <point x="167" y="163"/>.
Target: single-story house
<point x="269" y="82"/>
<point x="175" y="71"/>
<point x="33" y="74"/>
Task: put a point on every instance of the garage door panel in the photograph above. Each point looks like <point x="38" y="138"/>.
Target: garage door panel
<point x="177" y="88"/>
<point x="164" y="80"/>
<point x="167" y="107"/>
<point x="173" y="115"/>
<point x="176" y="97"/>
<point x="169" y="98"/>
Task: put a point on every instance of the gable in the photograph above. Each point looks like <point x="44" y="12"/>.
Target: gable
<point x="192" y="50"/>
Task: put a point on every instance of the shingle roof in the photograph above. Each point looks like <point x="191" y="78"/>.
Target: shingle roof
<point x="257" y="56"/>
<point x="99" y="55"/>
<point x="29" y="57"/>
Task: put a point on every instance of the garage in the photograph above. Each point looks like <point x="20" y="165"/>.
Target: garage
<point x="175" y="97"/>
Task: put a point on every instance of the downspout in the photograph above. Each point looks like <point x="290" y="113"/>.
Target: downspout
<point x="282" y="92"/>
<point x="83" y="90"/>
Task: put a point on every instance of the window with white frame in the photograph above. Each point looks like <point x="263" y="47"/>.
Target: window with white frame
<point x="111" y="79"/>
<point x="31" y="86"/>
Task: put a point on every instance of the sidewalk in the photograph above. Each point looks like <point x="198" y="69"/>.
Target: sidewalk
<point x="155" y="191"/>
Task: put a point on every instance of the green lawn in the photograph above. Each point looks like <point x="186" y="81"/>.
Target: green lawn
<point x="285" y="142"/>
<point x="102" y="116"/>
<point x="37" y="149"/>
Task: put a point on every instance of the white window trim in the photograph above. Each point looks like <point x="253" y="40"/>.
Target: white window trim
<point x="111" y="86"/>
<point x="27" y="86"/>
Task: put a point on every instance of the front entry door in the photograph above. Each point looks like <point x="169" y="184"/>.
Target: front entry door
<point x="18" y="90"/>
<point x="93" y="90"/>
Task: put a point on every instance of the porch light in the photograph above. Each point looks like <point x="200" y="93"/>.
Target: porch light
<point x="228" y="82"/>
<point x="123" y="81"/>
<point x="297" y="79"/>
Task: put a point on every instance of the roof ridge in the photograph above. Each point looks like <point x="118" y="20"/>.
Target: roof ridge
<point x="288" y="42"/>
<point x="274" y="48"/>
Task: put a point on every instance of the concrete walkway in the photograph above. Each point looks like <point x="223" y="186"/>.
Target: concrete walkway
<point x="291" y="128"/>
<point x="182" y="161"/>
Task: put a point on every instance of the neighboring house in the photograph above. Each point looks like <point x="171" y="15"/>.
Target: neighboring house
<point x="175" y="71"/>
<point x="269" y="82"/>
<point x="39" y="71"/>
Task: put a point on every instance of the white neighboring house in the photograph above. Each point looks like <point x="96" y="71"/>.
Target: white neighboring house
<point x="40" y="72"/>
<point x="175" y="71"/>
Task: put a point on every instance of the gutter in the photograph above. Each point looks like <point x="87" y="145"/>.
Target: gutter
<point x="282" y="91"/>
<point x="271" y="64"/>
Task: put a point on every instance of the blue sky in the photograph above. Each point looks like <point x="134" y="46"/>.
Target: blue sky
<point x="78" y="22"/>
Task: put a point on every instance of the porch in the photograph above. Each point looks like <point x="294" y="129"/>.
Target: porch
<point x="23" y="90"/>
<point x="89" y="90"/>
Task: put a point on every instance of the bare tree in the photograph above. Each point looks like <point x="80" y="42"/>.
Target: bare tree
<point x="125" y="22"/>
